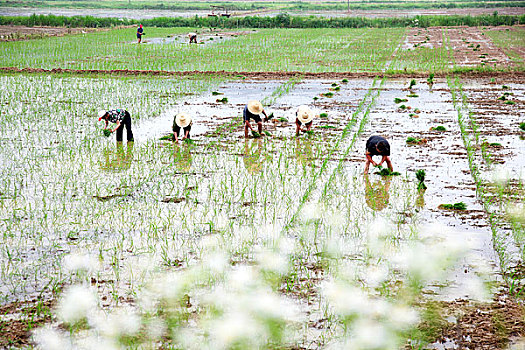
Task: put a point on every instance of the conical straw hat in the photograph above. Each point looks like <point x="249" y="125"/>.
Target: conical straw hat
<point x="182" y="120"/>
<point x="305" y="114"/>
<point x="255" y="107"/>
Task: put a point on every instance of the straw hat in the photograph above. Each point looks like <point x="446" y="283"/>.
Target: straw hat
<point x="101" y="113"/>
<point x="305" y="114"/>
<point x="255" y="107"/>
<point x="182" y="120"/>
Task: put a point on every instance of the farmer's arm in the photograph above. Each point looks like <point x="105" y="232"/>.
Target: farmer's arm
<point x="106" y="123"/>
<point x="265" y="115"/>
<point x="369" y="159"/>
<point x="248" y="125"/>
<point x="387" y="160"/>
<point x="118" y="125"/>
<point x="297" y="127"/>
<point x="186" y="134"/>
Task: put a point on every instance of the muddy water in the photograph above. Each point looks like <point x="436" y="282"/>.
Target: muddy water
<point x="183" y="39"/>
<point x="447" y="174"/>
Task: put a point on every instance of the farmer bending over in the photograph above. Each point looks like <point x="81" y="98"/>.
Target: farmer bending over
<point x="122" y="118"/>
<point x="253" y="110"/>
<point x="140" y="33"/>
<point x="377" y="146"/>
<point x="303" y="116"/>
<point x="193" y="37"/>
<point x="182" y="126"/>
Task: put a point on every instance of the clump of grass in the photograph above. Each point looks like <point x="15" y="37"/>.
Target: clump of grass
<point x="510" y="102"/>
<point x="189" y="141"/>
<point x="328" y="94"/>
<point x="323" y="115"/>
<point x="107" y="132"/>
<point x="430" y="79"/>
<point x="215" y="93"/>
<point x="309" y="132"/>
<point x="412" y="95"/>
<point x="334" y="84"/>
<point x="222" y="100"/>
<point x="337" y="88"/>
<point x="415" y="141"/>
<point x="505" y="87"/>
<point x="403" y="107"/>
<point x="455" y="206"/>
<point x="344" y="80"/>
<point x="399" y="100"/>
<point x="316" y="98"/>
<point x="439" y="128"/>
<point x="420" y="176"/>
<point x="412" y="84"/>
<point x="522" y="126"/>
<point x="385" y="171"/>
<point x="282" y="119"/>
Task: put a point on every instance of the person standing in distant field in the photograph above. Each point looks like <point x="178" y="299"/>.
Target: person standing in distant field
<point x="122" y="118"/>
<point x="377" y="146"/>
<point x="140" y="33"/>
<point x="193" y="37"/>
<point x="253" y="110"/>
<point x="303" y="116"/>
<point x="182" y="126"/>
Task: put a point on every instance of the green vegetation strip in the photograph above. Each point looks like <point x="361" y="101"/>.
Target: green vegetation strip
<point x="282" y="20"/>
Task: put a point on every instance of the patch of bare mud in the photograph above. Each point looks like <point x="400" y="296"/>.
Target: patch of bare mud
<point x="17" y="33"/>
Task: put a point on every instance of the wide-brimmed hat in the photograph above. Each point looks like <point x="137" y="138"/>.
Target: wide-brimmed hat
<point x="101" y="113"/>
<point x="305" y="114"/>
<point x="255" y="107"/>
<point x="182" y="120"/>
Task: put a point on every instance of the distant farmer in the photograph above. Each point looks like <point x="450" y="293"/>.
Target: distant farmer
<point x="377" y="146"/>
<point x="253" y="110"/>
<point x="182" y="126"/>
<point x="303" y="116"/>
<point x="122" y="118"/>
<point x="140" y="33"/>
<point x="193" y="37"/>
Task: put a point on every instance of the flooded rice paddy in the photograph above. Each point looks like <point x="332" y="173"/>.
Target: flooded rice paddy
<point x="76" y="207"/>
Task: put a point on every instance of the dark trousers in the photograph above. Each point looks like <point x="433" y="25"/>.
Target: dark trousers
<point x="177" y="129"/>
<point x="126" y="122"/>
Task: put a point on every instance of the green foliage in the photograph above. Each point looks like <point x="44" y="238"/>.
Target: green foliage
<point x="189" y="141"/>
<point x="403" y="107"/>
<point x="215" y="93"/>
<point x="327" y="127"/>
<point x="413" y="140"/>
<point x="455" y="206"/>
<point x="420" y="176"/>
<point x="344" y="80"/>
<point x="107" y="132"/>
<point x="325" y="115"/>
<point x="328" y="94"/>
<point x="412" y="83"/>
<point x="522" y="126"/>
<point x="510" y="102"/>
<point x="282" y="119"/>
<point x="255" y="134"/>
<point x="267" y="133"/>
<point x="412" y="95"/>
<point x="222" y="100"/>
<point x="430" y="78"/>
<point x="283" y="20"/>
<point x="439" y="128"/>
<point x="168" y="137"/>
<point x="505" y="87"/>
<point x="399" y="100"/>
<point x="334" y="84"/>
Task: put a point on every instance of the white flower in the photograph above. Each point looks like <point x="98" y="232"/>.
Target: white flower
<point x="80" y="263"/>
<point x="76" y="304"/>
<point x="119" y="323"/>
<point x="345" y="299"/>
<point x="236" y="327"/>
<point x="50" y="339"/>
<point x="501" y="175"/>
<point x="273" y="262"/>
<point x="368" y="334"/>
<point x="215" y="263"/>
<point x="402" y="317"/>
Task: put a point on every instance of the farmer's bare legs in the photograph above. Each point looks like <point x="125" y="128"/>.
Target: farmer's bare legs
<point x="368" y="161"/>
<point x="247" y="126"/>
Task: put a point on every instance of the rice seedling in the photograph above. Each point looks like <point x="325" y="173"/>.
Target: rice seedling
<point x="510" y="102"/>
<point x="412" y="95"/>
<point x="420" y="176"/>
<point x="412" y="84"/>
<point x="222" y="100"/>
<point x="328" y="94"/>
<point x="438" y="128"/>
<point x="522" y="126"/>
<point x="323" y="115"/>
<point x="344" y="80"/>
<point x="107" y="132"/>
<point x="399" y="100"/>
<point x="216" y="93"/>
<point x="460" y="206"/>
<point x="385" y="171"/>
<point x="415" y="141"/>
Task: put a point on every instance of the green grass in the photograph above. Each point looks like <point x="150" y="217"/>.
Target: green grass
<point x="455" y="206"/>
<point x="510" y="42"/>
<point x="316" y="50"/>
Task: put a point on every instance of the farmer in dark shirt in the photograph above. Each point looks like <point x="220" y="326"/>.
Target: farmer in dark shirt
<point x="140" y="32"/>
<point x="182" y="126"/>
<point x="303" y="116"/>
<point x="377" y="146"/>
<point x="122" y="118"/>
<point x="193" y="37"/>
<point x="253" y="110"/>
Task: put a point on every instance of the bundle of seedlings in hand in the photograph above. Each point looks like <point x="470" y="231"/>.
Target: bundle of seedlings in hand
<point x="106" y="132"/>
<point x="267" y="133"/>
<point x="255" y="134"/>
<point x="385" y="171"/>
<point x="420" y="176"/>
<point x="270" y="116"/>
<point x="455" y="206"/>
